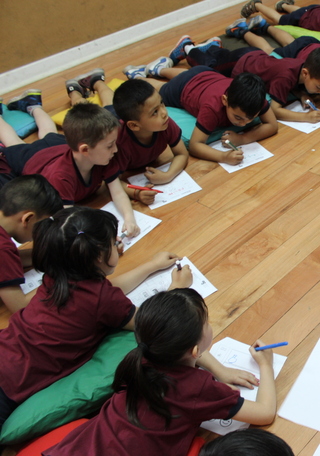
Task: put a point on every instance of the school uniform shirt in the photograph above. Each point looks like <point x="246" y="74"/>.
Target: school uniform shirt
<point x="133" y="154"/>
<point x="43" y="343"/>
<point x="279" y="75"/>
<point x="58" y="166"/>
<point x="11" y="269"/>
<point x="193" y="396"/>
<point x="202" y="97"/>
<point x="311" y="19"/>
<point x="303" y="54"/>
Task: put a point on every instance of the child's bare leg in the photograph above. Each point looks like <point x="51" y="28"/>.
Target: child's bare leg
<point x="105" y="93"/>
<point x="8" y="136"/>
<point x="281" y="36"/>
<point x="44" y="122"/>
<point x="258" y="41"/>
<point x="271" y="14"/>
<point x="290" y="8"/>
<point x="76" y="97"/>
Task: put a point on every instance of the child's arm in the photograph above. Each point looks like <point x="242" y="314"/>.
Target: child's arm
<point x="198" y="148"/>
<point x="267" y="128"/>
<point x="14" y="298"/>
<point x="163" y="260"/>
<point x="226" y="374"/>
<point x="291" y="116"/>
<point x="178" y="163"/>
<point x="263" y="410"/>
<point x="144" y="196"/>
<point x="122" y="202"/>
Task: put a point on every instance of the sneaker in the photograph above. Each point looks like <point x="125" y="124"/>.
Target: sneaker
<point x="237" y="29"/>
<point x="278" y="5"/>
<point x="87" y="80"/>
<point x="1" y="101"/>
<point x="72" y="85"/>
<point x="215" y="41"/>
<point x="135" y="71"/>
<point x="258" y="25"/>
<point x="177" y="53"/>
<point x="31" y="97"/>
<point x="154" y="68"/>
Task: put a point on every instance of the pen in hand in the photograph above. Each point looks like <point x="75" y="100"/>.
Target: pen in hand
<point x="312" y="106"/>
<point x="122" y="236"/>
<point x="232" y="145"/>
<point x="266" y="347"/>
<point x="178" y="264"/>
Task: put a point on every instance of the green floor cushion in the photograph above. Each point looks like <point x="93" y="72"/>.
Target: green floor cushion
<point x="75" y="396"/>
<point x="296" y="32"/>
<point x="22" y="122"/>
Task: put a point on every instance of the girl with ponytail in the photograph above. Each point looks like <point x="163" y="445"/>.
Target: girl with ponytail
<point x="161" y="398"/>
<point x="75" y="307"/>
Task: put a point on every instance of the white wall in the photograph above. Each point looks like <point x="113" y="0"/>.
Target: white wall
<point x="40" y="69"/>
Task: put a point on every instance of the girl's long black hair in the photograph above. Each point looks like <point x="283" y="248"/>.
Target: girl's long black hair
<point x="167" y="325"/>
<point x="67" y="247"/>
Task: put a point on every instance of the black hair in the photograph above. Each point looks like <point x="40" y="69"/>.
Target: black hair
<point x="29" y="193"/>
<point x="130" y="97"/>
<point x="247" y="92"/>
<point x="167" y="325"/>
<point x="312" y="64"/>
<point x="87" y="123"/>
<point x="247" y="442"/>
<point x="67" y="247"/>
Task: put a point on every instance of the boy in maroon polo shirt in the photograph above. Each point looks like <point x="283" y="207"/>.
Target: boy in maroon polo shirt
<point x="75" y="164"/>
<point x="146" y="130"/>
<point x="23" y="201"/>
<point x="216" y="101"/>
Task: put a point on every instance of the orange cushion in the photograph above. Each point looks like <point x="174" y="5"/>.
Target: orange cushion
<point x="36" y="446"/>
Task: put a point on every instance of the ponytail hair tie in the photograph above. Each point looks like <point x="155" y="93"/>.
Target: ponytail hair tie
<point x="51" y="218"/>
<point x="80" y="232"/>
<point x="143" y="347"/>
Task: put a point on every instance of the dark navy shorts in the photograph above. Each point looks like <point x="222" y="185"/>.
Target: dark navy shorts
<point x="7" y="406"/>
<point x="111" y="109"/>
<point x="171" y="91"/>
<point x="294" y="17"/>
<point x="18" y="155"/>
<point x="292" y="49"/>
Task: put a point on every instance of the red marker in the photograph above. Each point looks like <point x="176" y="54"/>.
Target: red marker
<point x="137" y="187"/>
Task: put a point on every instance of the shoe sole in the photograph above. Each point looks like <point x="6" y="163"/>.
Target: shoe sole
<point x="25" y="94"/>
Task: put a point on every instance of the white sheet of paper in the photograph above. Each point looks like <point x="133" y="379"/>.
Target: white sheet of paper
<point x="305" y="127"/>
<point x="302" y="404"/>
<point x="145" y="222"/>
<point x="253" y="153"/>
<point x="235" y="354"/>
<point x="160" y="281"/>
<point x="181" y="186"/>
<point x="33" y="280"/>
<point x="317" y="453"/>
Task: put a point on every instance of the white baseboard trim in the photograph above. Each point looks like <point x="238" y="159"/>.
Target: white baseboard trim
<point x="40" y="69"/>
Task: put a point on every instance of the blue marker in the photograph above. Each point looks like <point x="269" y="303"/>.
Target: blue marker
<point x="265" y="347"/>
<point x="312" y="106"/>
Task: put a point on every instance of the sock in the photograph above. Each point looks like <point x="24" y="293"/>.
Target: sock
<point x="31" y="108"/>
<point x="188" y="48"/>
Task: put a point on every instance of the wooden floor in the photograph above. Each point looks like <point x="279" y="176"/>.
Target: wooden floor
<point x="255" y="233"/>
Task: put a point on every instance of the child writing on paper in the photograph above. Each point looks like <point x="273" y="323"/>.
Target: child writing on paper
<point x="76" y="163"/>
<point x="75" y="307"/>
<point x="146" y="130"/>
<point x="217" y="102"/>
<point x="160" y="397"/>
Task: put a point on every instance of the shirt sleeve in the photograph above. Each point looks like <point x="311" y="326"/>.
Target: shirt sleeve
<point x="11" y="270"/>
<point x="173" y="133"/>
<point x="115" y="309"/>
<point x="217" y="400"/>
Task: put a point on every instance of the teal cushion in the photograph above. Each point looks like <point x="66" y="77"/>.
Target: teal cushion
<point x="187" y="123"/>
<point x="22" y="122"/>
<point x="72" y="397"/>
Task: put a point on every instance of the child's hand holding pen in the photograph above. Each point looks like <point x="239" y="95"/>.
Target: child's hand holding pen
<point x="314" y="112"/>
<point x="235" y="156"/>
<point x="181" y="276"/>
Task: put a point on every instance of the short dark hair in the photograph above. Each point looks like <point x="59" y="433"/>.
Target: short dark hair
<point x="247" y="442"/>
<point x="29" y="193"/>
<point x="87" y="123"/>
<point x="312" y="63"/>
<point x="130" y="97"/>
<point x="247" y="92"/>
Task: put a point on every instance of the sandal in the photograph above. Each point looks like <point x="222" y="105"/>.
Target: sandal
<point x="250" y="8"/>
<point x="278" y="5"/>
